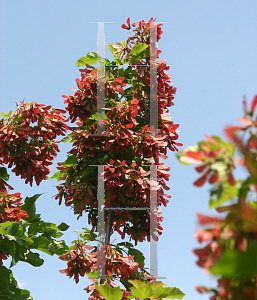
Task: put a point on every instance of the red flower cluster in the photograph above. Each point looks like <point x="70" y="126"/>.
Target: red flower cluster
<point x="84" y="101"/>
<point x="115" y="176"/>
<point x="137" y="188"/>
<point x="80" y="263"/>
<point x="142" y="29"/>
<point x="31" y="149"/>
<point x="8" y="207"/>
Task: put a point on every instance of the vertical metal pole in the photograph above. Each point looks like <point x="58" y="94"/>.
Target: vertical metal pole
<point x="153" y="221"/>
<point x="100" y="224"/>
<point x="100" y="79"/>
<point x="153" y="169"/>
<point x="153" y="80"/>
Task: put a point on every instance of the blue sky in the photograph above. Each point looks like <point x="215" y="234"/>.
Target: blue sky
<point x="210" y="47"/>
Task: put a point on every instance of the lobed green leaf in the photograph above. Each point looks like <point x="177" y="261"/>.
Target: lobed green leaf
<point x="90" y="59"/>
<point x="154" y="289"/>
<point x="110" y="293"/>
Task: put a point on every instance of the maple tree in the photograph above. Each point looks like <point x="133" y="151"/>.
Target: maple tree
<point x="127" y="154"/>
<point x="231" y="247"/>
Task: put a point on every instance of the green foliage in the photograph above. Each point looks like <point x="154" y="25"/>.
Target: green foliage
<point x="18" y="241"/>
<point x="221" y="193"/>
<point x="141" y="290"/>
<point x="93" y="274"/>
<point x="6" y="116"/>
<point x="235" y="263"/>
<point x="138" y="256"/>
<point x="90" y="59"/>
<point x="18" y="238"/>
<point x="87" y="235"/>
<point x="67" y="139"/>
<point x="58" y="175"/>
<point x="154" y="289"/>
<point x="116" y="55"/>
<point x="3" y="174"/>
<point x="32" y="258"/>
<point x="137" y="52"/>
<point x="70" y="162"/>
<point x="9" y="289"/>
<point x="97" y="116"/>
<point x="110" y="293"/>
<point x="63" y="227"/>
<point x="30" y="207"/>
<point x="181" y="154"/>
